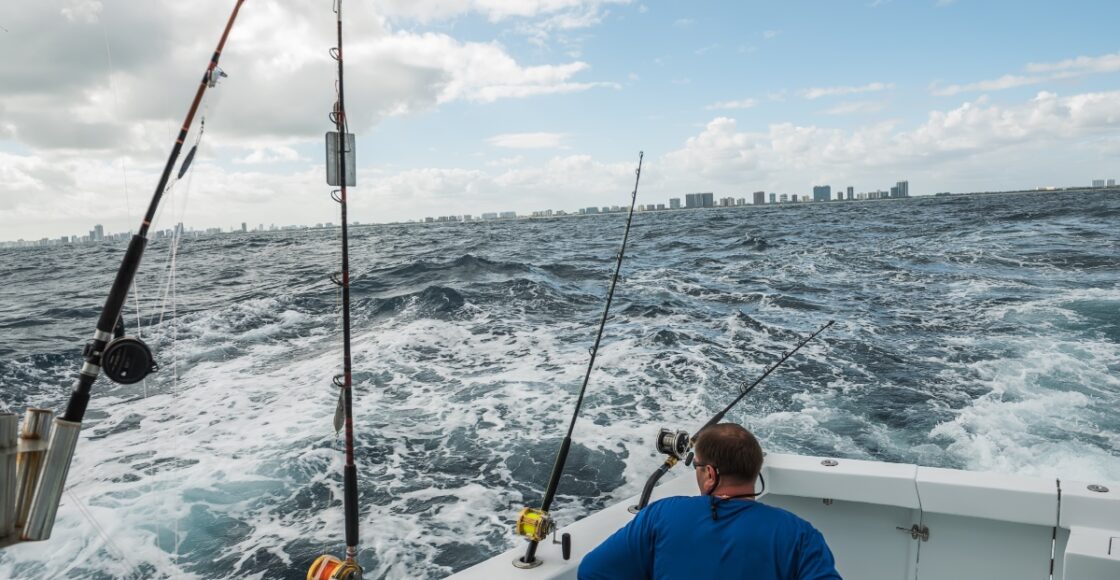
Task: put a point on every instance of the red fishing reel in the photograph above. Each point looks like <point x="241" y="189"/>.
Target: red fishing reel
<point x="327" y="567"/>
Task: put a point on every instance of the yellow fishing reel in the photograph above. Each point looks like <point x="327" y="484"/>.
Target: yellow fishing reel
<point x="534" y="525"/>
<point x="327" y="567"/>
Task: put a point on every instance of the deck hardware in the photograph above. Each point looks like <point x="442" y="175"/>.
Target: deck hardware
<point x="1098" y="488"/>
<point x="827" y="501"/>
<point x="830" y="463"/>
<point x="916" y="532"/>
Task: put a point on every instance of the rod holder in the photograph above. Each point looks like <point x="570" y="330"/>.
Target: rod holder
<point x="52" y="482"/>
<point x="34" y="439"/>
<point x="9" y="424"/>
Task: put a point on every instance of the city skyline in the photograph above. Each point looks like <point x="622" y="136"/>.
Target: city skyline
<point x="466" y="107"/>
<point x="703" y="200"/>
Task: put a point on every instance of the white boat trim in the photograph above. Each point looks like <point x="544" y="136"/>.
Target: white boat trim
<point x="901" y="521"/>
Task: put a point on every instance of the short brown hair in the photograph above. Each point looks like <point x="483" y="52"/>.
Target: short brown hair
<point x="731" y="449"/>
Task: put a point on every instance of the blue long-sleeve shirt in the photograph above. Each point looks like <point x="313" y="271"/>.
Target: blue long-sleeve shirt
<point x="677" y="538"/>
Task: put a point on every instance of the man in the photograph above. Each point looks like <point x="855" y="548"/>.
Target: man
<point x="722" y="533"/>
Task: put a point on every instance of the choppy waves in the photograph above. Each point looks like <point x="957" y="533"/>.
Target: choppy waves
<point x="978" y="333"/>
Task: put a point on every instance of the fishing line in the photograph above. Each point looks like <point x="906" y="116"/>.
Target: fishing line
<point x="327" y="566"/>
<point x="677" y="445"/>
<point x="536" y="524"/>
<point x="108" y="541"/>
<point x="169" y="286"/>
<point x="123" y="359"/>
<point x="124" y="176"/>
<point x="116" y="113"/>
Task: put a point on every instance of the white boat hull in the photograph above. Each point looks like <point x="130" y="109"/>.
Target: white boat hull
<point x="890" y="521"/>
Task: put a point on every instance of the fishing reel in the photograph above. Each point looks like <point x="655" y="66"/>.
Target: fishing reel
<point x="127" y="360"/>
<point x="536" y="525"/>
<point x="327" y="567"/>
<point x="533" y="524"/>
<point x="673" y="443"/>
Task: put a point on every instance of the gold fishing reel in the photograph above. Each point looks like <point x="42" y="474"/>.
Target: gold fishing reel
<point x="534" y="525"/>
<point x="327" y="567"/>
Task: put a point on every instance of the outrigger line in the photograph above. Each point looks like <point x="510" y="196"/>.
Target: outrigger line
<point x="45" y="453"/>
<point x="340" y="143"/>
<point x="678" y="445"/>
<point x="536" y="524"/>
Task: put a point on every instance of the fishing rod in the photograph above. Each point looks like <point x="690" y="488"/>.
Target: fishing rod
<point x="124" y="359"/>
<point x="341" y="144"/>
<point x="536" y="524"/>
<point x="678" y="445"/>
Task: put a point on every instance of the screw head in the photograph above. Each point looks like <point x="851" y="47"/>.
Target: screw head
<point x="1098" y="488"/>
<point x="830" y="463"/>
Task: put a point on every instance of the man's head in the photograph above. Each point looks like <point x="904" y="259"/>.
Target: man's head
<point x="727" y="456"/>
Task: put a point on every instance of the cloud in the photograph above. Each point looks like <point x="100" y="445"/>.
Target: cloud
<point x="506" y="161"/>
<point x="87" y="11"/>
<point x="722" y="155"/>
<point x="528" y="140"/>
<point x="954" y="148"/>
<point x="270" y="153"/>
<point x="65" y="95"/>
<point x="1040" y="73"/>
<point x="816" y="93"/>
<point x="856" y="108"/>
<point x="426" y="11"/>
<point x="579" y="180"/>
<point x="769" y="34"/>
<point x="740" y="104"/>
<point x="1002" y="83"/>
<point x="1082" y="65"/>
<point x="683" y="22"/>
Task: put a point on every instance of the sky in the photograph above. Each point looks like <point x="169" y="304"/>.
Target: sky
<point x="472" y="106"/>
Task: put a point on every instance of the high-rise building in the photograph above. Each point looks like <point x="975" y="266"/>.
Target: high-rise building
<point x="851" y="193"/>
<point x="783" y="198"/>
<point x="699" y="200"/>
<point x="1098" y="183"/>
<point x="839" y="195"/>
<point x="759" y="197"/>
<point x="1112" y="183"/>
<point x="674" y="203"/>
<point x="903" y="189"/>
<point x="793" y="198"/>
<point x="822" y="192"/>
<point x="773" y="197"/>
<point x="894" y="191"/>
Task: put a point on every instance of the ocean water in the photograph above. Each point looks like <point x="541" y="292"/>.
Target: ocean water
<point x="978" y="332"/>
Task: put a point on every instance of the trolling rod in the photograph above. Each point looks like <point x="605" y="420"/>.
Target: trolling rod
<point x="678" y="445"/>
<point x="533" y="524"/>
<point x="45" y="454"/>
<point x="340" y="143"/>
